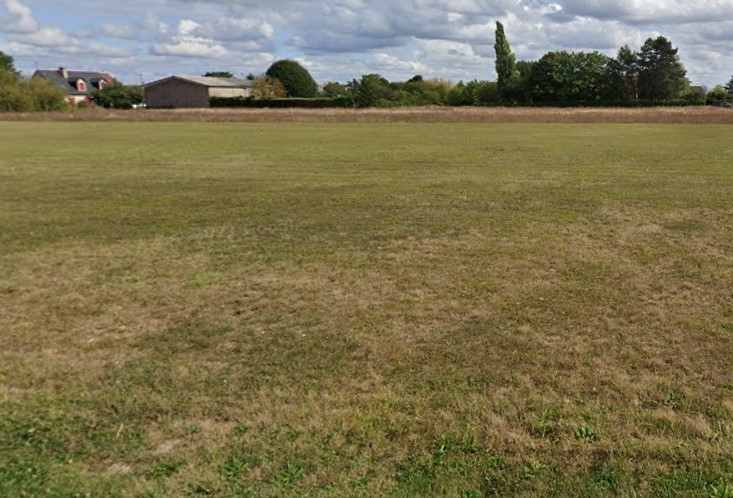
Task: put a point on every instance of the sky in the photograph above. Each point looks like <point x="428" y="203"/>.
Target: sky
<point x="145" y="40"/>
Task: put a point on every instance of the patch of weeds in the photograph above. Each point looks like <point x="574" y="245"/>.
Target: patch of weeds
<point x="165" y="469"/>
<point x="533" y="470"/>
<point x="293" y="434"/>
<point x="41" y="436"/>
<point x="235" y="466"/>
<point x="546" y="424"/>
<point x="470" y="446"/>
<point x="414" y="476"/>
<point x="291" y="472"/>
<point x="454" y="463"/>
<point x="722" y="489"/>
<point x="35" y="442"/>
<point x="716" y="412"/>
<point x="606" y="479"/>
<point x="241" y="429"/>
<point x="500" y="478"/>
<point x="586" y="432"/>
<point x="674" y="399"/>
<point x="419" y="476"/>
<point x="665" y="397"/>
<point x="678" y="482"/>
<point x="17" y="477"/>
<point x="448" y="443"/>
<point x="495" y="462"/>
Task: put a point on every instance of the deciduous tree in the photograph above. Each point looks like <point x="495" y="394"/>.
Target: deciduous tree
<point x="334" y="89"/>
<point x="370" y="91"/>
<point x="7" y="64"/>
<point x="27" y="96"/>
<point x="296" y="79"/>
<point x="575" y="77"/>
<point x="118" y="96"/>
<point x="45" y="96"/>
<point x="266" y="87"/>
<point x="717" y="94"/>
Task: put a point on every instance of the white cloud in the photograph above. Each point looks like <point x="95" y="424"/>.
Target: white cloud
<point x="213" y="38"/>
<point x="190" y="47"/>
<point x="448" y="51"/>
<point x="587" y="33"/>
<point x="234" y="29"/>
<point x="186" y="44"/>
<point x="385" y="62"/>
<point x="653" y="11"/>
<point x="113" y="31"/>
<point x="186" y="27"/>
<point x="45" y="37"/>
<point x="19" y="18"/>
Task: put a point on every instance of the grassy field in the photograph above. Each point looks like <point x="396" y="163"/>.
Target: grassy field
<point x="465" y="310"/>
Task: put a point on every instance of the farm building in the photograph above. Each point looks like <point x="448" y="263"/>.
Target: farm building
<point x="78" y="85"/>
<point x="193" y="91"/>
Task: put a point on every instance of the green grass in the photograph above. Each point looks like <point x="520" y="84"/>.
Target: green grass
<point x="366" y="310"/>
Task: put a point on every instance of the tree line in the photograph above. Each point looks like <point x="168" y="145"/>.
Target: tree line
<point x="652" y="75"/>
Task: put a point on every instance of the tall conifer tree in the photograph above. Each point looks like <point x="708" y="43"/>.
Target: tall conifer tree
<point x="505" y="60"/>
<point x="661" y="74"/>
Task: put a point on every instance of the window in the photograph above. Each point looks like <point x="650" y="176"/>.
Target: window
<point x="102" y="84"/>
<point x="81" y="85"/>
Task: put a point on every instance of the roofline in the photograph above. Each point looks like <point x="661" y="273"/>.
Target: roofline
<point x="174" y="77"/>
<point x="191" y="81"/>
<point x="56" y="71"/>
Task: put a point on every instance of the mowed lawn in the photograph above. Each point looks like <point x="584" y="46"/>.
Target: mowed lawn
<point x="192" y="309"/>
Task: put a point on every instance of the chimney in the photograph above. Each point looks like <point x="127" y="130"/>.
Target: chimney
<point x="64" y="72"/>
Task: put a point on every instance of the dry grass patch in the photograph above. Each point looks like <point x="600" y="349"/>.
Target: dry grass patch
<point x="658" y="115"/>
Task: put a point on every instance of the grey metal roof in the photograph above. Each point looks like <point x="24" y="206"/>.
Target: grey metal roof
<point x="208" y="81"/>
<point x="68" y="84"/>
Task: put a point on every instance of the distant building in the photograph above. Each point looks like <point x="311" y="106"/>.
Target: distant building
<point x="78" y="85"/>
<point x="193" y="91"/>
